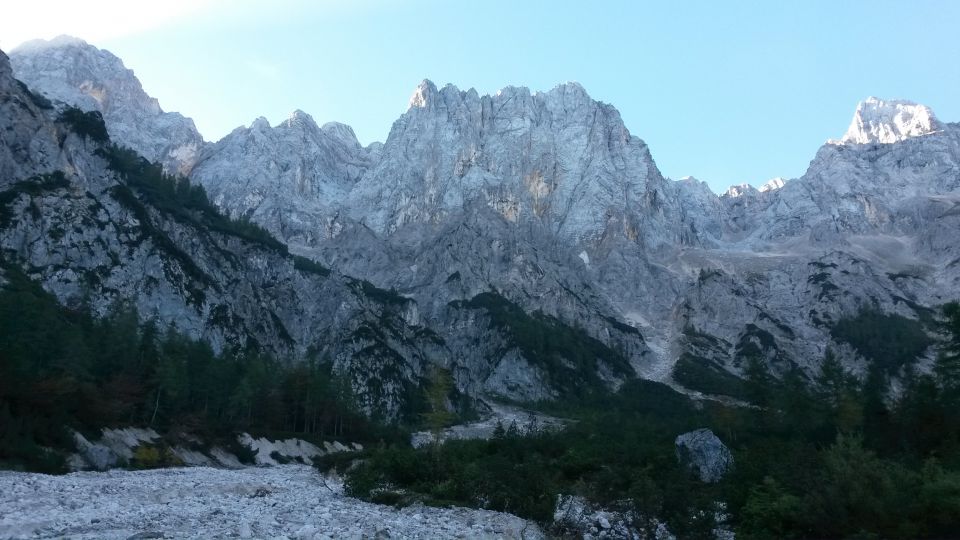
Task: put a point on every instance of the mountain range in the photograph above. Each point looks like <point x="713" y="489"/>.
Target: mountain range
<point x="526" y="241"/>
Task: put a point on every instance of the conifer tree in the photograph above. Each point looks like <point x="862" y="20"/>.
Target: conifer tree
<point x="947" y="367"/>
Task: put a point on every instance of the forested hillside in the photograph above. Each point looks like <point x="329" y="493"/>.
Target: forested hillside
<point x="831" y="457"/>
<point x="62" y="369"/>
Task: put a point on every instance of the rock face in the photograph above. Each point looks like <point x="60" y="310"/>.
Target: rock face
<point x="70" y="71"/>
<point x="481" y="217"/>
<point x="79" y="226"/>
<point x="556" y="159"/>
<point x="293" y="175"/>
<point x="889" y="121"/>
<point x="703" y="453"/>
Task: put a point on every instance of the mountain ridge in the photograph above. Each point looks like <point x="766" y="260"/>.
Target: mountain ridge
<point x="548" y="201"/>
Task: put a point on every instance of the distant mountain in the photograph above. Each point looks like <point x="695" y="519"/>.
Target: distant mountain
<point x="532" y="240"/>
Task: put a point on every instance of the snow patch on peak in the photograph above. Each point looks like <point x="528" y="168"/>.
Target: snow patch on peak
<point x="889" y="121"/>
<point x="772" y="185"/>
<point x="422" y="94"/>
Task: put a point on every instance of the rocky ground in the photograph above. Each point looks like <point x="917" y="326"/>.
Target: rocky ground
<point x="290" y="501"/>
<point x="500" y="414"/>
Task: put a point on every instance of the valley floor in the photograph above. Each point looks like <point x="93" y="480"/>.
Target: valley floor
<point x="289" y="501"/>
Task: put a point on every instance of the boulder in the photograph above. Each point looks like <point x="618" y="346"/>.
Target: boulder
<point x="95" y="456"/>
<point x="702" y="452"/>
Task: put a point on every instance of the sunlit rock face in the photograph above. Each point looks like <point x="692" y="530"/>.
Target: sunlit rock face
<point x="889" y="121"/>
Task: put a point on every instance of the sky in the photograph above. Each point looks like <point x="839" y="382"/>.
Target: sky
<point x="728" y="92"/>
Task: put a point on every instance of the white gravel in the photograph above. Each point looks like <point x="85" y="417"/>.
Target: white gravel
<point x="290" y="501"/>
<point x="505" y="415"/>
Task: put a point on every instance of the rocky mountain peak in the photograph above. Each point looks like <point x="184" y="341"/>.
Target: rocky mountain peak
<point x="341" y="132"/>
<point x="71" y="71"/>
<point x="772" y="185"/>
<point x="739" y="190"/>
<point x="301" y="120"/>
<point x="423" y="94"/>
<point x="570" y="90"/>
<point x="260" y="124"/>
<point x="557" y="158"/>
<point x="889" y="121"/>
<point x="60" y="41"/>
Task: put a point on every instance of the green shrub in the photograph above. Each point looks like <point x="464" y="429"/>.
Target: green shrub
<point x="86" y="124"/>
<point x="148" y="456"/>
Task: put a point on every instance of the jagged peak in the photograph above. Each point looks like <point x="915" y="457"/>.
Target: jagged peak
<point x="299" y="118"/>
<point x="423" y="94"/>
<point x="569" y="87"/>
<point x="512" y="91"/>
<point x="426" y="92"/>
<point x="260" y="124"/>
<point x="76" y="48"/>
<point x="692" y="181"/>
<point x="889" y="121"/>
<point x="341" y="132"/>
<point x="694" y="185"/>
<point x="71" y="53"/>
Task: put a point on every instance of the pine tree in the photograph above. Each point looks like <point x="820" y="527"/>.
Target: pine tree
<point x="759" y="381"/>
<point x="947" y="367"/>
<point x="437" y="393"/>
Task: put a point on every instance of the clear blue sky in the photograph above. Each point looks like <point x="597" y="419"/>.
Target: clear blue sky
<point x="728" y="92"/>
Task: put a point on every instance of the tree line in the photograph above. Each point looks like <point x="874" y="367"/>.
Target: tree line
<point x="62" y="368"/>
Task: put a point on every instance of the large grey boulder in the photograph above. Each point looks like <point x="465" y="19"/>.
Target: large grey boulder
<point x="702" y="452"/>
<point x="98" y="457"/>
